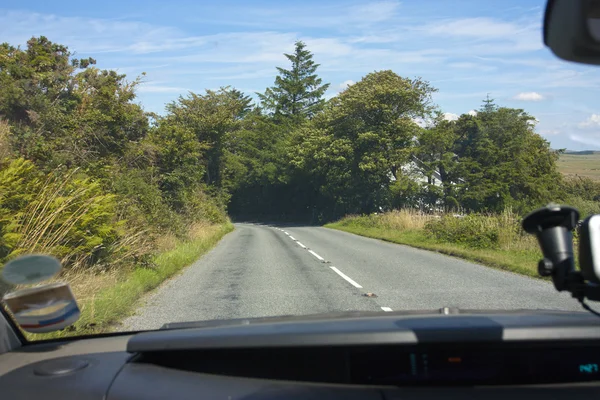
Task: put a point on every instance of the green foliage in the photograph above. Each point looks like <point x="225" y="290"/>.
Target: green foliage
<point x="213" y="119"/>
<point x="19" y="184"/>
<point x="473" y="230"/>
<point x="144" y="204"/>
<point x="298" y="92"/>
<point x="502" y="161"/>
<point x="82" y="174"/>
<point x="582" y="187"/>
<point x="73" y="133"/>
<point x="63" y="214"/>
<point x="354" y="150"/>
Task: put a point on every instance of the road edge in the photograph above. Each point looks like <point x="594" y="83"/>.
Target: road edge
<point x="442" y="248"/>
<point x="103" y="314"/>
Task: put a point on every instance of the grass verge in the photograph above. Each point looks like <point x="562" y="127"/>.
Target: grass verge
<point x="118" y="296"/>
<point x="519" y="261"/>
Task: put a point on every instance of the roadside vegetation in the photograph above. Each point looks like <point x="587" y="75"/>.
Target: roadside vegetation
<point x="125" y="198"/>
<point x="493" y="240"/>
<point x="105" y="299"/>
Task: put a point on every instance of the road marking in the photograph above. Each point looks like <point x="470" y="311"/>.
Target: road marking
<point x="316" y="255"/>
<point x="286" y="233"/>
<point x="291" y="237"/>
<point x="346" y="277"/>
<point x="386" y="309"/>
<point x="300" y="244"/>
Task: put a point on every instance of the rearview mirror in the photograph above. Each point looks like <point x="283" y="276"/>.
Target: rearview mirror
<point x="572" y="30"/>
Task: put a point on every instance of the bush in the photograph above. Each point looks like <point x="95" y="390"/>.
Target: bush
<point x="475" y="230"/>
<point x="70" y="217"/>
<point x="64" y="214"/>
<point x="142" y="201"/>
<point x="19" y="183"/>
<point x="203" y="206"/>
<point x="585" y="207"/>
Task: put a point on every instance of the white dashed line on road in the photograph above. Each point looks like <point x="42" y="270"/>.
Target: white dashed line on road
<point x="386" y="309"/>
<point x="286" y="233"/>
<point x="346" y="277"/>
<point x="300" y="244"/>
<point x="316" y="255"/>
<point x="294" y="239"/>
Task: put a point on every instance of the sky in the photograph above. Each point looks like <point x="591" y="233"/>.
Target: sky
<point x="466" y="49"/>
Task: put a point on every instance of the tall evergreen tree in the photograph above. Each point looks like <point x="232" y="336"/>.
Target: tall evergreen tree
<point x="298" y="92"/>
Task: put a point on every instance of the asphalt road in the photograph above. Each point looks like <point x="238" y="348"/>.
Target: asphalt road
<point x="260" y="270"/>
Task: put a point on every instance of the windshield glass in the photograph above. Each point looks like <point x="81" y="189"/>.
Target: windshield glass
<point x="187" y="161"/>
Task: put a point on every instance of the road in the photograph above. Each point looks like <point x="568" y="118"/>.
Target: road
<point x="260" y="270"/>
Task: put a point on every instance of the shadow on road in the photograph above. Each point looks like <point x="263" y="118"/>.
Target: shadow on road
<point x="278" y="222"/>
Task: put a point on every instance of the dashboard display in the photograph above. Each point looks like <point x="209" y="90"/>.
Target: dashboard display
<point x="474" y="364"/>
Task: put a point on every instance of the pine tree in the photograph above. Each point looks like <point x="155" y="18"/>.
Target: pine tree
<point x="298" y="92"/>
<point x="488" y="104"/>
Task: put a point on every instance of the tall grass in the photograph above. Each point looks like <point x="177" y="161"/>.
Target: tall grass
<point x="70" y="217"/>
<point x="5" y="149"/>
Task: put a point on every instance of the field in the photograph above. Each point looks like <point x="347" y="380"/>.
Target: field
<point x="586" y="165"/>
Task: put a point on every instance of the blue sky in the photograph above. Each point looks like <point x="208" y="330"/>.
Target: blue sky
<point x="466" y="49"/>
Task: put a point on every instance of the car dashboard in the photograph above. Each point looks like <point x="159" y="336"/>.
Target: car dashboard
<point x="523" y="354"/>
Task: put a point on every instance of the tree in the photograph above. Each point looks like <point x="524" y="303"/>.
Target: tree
<point x="488" y="104"/>
<point x="435" y="149"/>
<point x="178" y="160"/>
<point x="213" y="118"/>
<point x="298" y="92"/>
<point x="502" y="160"/>
<point x="61" y="111"/>
<point x="354" y="150"/>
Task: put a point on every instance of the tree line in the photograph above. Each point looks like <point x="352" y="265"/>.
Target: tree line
<point x="74" y="144"/>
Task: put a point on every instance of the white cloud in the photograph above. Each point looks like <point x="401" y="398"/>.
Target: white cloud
<point x="450" y="116"/>
<point x="319" y="16"/>
<point x="375" y="11"/>
<point x="529" y="96"/>
<point x="473" y="27"/>
<point x="550" y="132"/>
<point x="472" y="112"/>
<point x="585" y="140"/>
<point x="150" y="88"/>
<point x="592" y="122"/>
<point x="344" y="85"/>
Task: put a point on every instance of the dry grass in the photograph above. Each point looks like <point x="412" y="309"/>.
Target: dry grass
<point x="44" y="225"/>
<point x="55" y="221"/>
<point x="166" y="242"/>
<point x="510" y="235"/>
<point x="4" y="143"/>
<point x="405" y="219"/>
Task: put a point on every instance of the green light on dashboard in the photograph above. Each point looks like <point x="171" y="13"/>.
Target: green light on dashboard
<point x="588" y="368"/>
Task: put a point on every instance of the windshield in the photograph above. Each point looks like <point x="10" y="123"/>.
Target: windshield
<point x="192" y="161"/>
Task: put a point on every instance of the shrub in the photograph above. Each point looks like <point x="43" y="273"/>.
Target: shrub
<point x="70" y="218"/>
<point x="200" y="206"/>
<point x="64" y="214"/>
<point x="142" y="201"/>
<point x="475" y="230"/>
